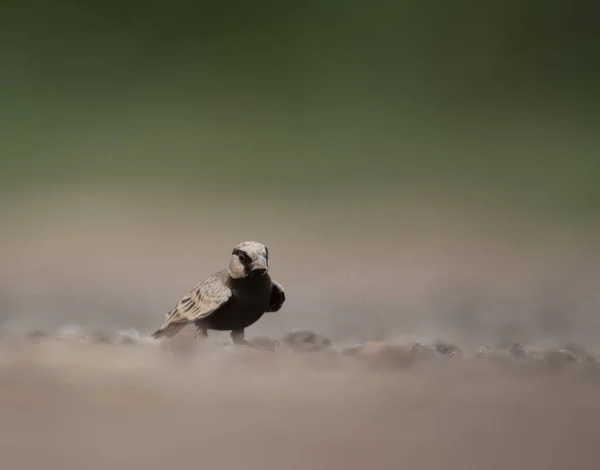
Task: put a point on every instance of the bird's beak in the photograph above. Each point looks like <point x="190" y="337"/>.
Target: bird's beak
<point x="260" y="264"/>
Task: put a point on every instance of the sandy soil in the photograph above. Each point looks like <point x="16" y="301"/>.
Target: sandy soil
<point x="101" y="261"/>
<point x="77" y="405"/>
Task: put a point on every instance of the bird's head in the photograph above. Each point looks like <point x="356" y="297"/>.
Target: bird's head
<point x="249" y="258"/>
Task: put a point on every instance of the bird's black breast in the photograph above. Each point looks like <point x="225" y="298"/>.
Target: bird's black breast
<point x="250" y="300"/>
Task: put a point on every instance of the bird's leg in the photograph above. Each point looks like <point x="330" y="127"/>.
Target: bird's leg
<point x="201" y="332"/>
<point x="238" y="339"/>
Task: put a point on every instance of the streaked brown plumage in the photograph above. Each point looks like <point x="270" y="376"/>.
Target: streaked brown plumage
<point x="231" y="299"/>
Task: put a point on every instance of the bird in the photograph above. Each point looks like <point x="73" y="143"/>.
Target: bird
<point x="229" y="300"/>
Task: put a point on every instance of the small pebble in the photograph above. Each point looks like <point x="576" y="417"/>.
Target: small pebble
<point x="306" y="340"/>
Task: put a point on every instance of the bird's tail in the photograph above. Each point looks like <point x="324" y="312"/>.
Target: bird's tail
<point x="168" y="329"/>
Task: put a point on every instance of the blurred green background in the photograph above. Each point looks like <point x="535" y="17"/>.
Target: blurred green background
<point x="491" y="101"/>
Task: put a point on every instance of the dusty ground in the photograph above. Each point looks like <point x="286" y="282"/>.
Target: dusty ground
<point x="389" y="275"/>
<point x="78" y="405"/>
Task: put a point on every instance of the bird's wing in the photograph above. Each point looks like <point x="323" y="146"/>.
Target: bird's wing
<point x="277" y="297"/>
<point x="199" y="303"/>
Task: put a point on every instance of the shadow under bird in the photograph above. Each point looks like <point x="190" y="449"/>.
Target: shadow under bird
<point x="231" y="299"/>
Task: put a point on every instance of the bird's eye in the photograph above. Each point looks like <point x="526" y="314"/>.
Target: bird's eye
<point x="243" y="257"/>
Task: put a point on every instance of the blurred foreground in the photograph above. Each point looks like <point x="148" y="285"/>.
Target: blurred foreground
<point x="77" y="403"/>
